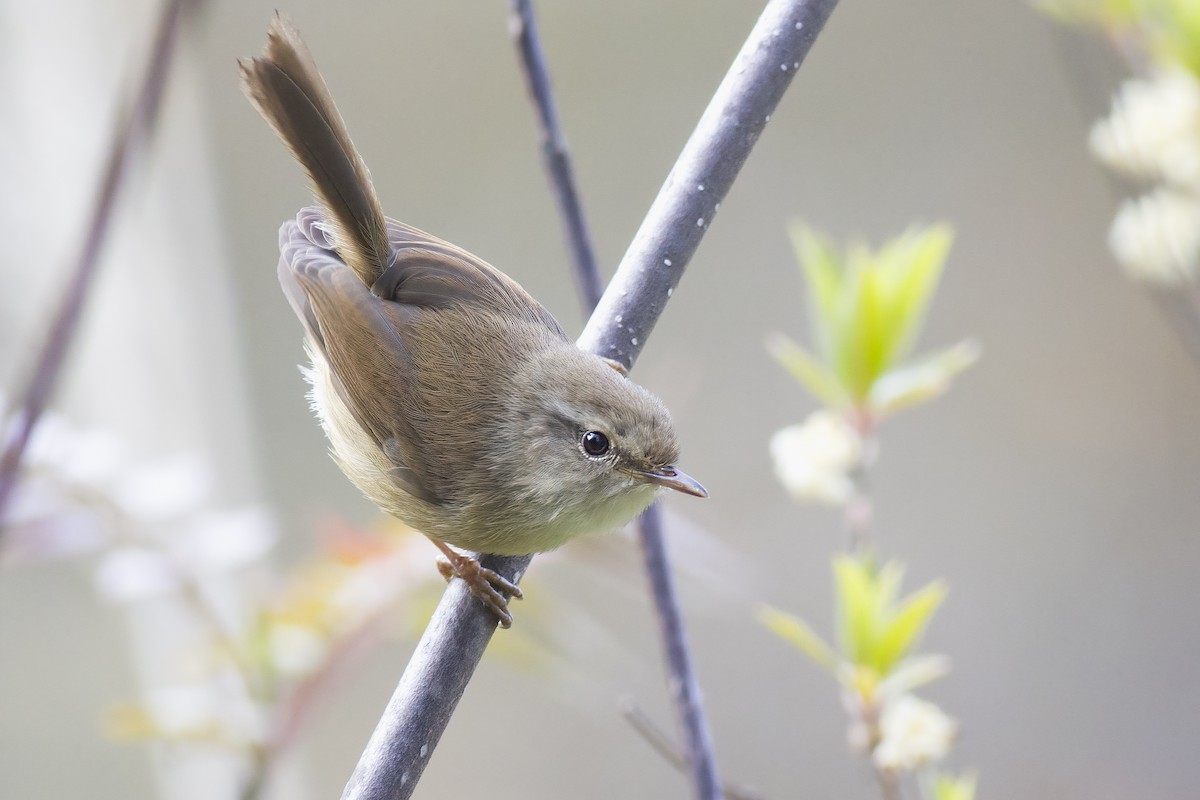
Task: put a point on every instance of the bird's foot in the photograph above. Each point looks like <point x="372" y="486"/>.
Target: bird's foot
<point x="492" y="588"/>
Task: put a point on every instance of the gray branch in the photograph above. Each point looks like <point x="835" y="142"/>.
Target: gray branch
<point x="684" y="684"/>
<point x="453" y="644"/>
<point x="698" y="759"/>
<point x="523" y="25"/>
<point x="701" y="177"/>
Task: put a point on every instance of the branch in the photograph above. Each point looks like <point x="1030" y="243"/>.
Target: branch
<point x="1181" y="308"/>
<point x="697" y="759"/>
<point x="129" y="140"/>
<point x="684" y="686"/>
<point x="701" y="177"/>
<point x="461" y="627"/>
<point x="523" y="27"/>
<point x="662" y="744"/>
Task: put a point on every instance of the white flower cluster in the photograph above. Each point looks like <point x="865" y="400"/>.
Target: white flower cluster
<point x="1156" y="237"/>
<point x="1153" y="131"/>
<point x="813" y="460"/>
<point x="164" y="548"/>
<point x="81" y="491"/>
<point x="1153" y="134"/>
<point x="914" y="733"/>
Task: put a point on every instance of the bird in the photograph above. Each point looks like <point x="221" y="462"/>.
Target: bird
<point x="450" y="397"/>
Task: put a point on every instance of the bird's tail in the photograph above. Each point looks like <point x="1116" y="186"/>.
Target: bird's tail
<point x="284" y="85"/>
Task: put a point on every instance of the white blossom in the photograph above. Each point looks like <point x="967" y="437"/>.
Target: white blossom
<point x="296" y="650"/>
<point x="182" y="708"/>
<point x="95" y="459"/>
<point x="913" y="733"/>
<point x="813" y="460"/>
<point x="226" y="539"/>
<point x="215" y="707"/>
<point x="135" y="573"/>
<point x="1153" y="131"/>
<point x="166" y="489"/>
<point x="1156" y="238"/>
<point x="50" y="443"/>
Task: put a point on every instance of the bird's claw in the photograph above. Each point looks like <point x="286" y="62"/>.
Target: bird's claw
<point x="492" y="588"/>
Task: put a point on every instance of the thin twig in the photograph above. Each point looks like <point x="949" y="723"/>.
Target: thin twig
<point x="461" y="627"/>
<point x="889" y="784"/>
<point x="523" y="27"/>
<point x="662" y="744"/>
<point x="859" y="509"/>
<point x="1179" y="305"/>
<point x="857" y="518"/>
<point x="1182" y="312"/>
<point x="129" y="140"/>
<point x="302" y="699"/>
<point x="684" y="685"/>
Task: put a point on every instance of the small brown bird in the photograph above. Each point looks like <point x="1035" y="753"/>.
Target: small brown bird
<point x="450" y="397"/>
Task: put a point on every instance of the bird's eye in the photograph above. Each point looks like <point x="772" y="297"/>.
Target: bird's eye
<point x="595" y="443"/>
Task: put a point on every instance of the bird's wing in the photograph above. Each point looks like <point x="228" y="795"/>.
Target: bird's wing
<point x="432" y="273"/>
<point x="358" y="338"/>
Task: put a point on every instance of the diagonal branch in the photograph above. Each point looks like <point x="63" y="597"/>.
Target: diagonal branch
<point x="129" y="141"/>
<point x="460" y="629"/>
<point x="702" y="175"/>
<point x="697" y="758"/>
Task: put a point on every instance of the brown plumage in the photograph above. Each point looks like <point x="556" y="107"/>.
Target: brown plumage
<point x="451" y="397"/>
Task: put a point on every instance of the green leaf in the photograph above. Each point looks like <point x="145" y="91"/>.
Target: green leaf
<point x="821" y="263"/>
<point x="872" y="330"/>
<point x="1100" y="13"/>
<point x="868" y="307"/>
<point x="921" y="381"/>
<point x="948" y="787"/>
<point x="876" y="629"/>
<point x="915" y="262"/>
<point x="856" y="608"/>
<point x="810" y="372"/>
<point x="797" y="632"/>
<point x="913" y="673"/>
<point x="1174" y="30"/>
<point x="885" y="589"/>
<point x="851" y="330"/>
<point x="909" y="622"/>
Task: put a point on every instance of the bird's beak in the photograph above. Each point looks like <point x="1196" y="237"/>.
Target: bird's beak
<point x="672" y="479"/>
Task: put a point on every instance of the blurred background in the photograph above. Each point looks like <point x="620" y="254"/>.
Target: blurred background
<point x="1054" y="487"/>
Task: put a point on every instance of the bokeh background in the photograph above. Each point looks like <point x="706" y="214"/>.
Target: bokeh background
<point x="1054" y="487"/>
